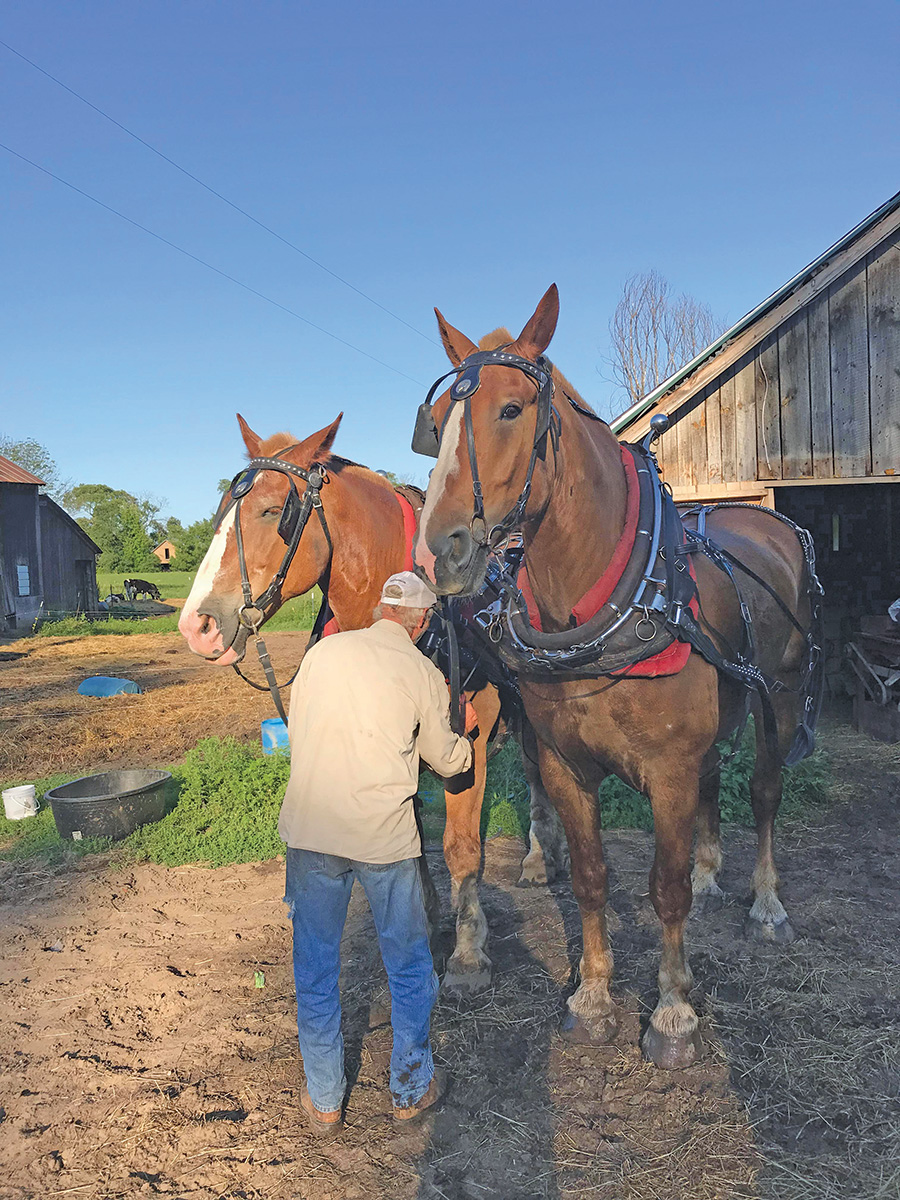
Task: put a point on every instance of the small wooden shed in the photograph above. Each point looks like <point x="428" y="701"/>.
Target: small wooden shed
<point x="166" y="551"/>
<point x="47" y="561"/>
<point x="798" y="406"/>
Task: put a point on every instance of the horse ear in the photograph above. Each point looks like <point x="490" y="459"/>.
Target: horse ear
<point x="251" y="440"/>
<point x="535" y="337"/>
<point x="317" y="445"/>
<point x="456" y="344"/>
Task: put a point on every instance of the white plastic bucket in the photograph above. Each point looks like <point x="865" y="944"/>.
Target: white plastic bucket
<point x="20" y="802"/>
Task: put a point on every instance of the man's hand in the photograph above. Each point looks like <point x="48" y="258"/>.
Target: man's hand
<point x="471" y="716"/>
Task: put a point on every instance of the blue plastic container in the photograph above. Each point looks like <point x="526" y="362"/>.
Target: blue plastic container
<point x="108" y="685"/>
<point x="275" y="736"/>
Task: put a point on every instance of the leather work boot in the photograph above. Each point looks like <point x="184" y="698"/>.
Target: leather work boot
<point x="437" y="1089"/>
<point x="323" y="1124"/>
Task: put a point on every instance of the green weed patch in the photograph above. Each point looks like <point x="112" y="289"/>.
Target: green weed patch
<point x="229" y="796"/>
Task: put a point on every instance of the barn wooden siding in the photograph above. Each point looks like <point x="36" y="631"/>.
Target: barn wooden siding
<point x="68" y="562"/>
<point x="19" y="547"/>
<point x="817" y="399"/>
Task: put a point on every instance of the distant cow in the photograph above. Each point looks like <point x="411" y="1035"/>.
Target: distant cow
<point x="137" y="587"/>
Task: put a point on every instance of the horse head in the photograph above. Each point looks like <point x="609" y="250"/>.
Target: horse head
<point x="256" y="514"/>
<point x="494" y="422"/>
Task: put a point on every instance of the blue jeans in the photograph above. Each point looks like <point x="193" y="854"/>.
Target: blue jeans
<point x="317" y="891"/>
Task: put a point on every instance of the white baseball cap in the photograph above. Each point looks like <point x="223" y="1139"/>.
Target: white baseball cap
<point x="406" y="590"/>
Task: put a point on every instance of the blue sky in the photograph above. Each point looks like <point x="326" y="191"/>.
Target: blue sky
<point x="464" y="155"/>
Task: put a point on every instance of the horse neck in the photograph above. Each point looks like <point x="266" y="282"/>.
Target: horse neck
<point x="574" y="541"/>
<point x="367" y="531"/>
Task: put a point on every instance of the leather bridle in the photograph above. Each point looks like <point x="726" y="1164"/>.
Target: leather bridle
<point x="295" y="514"/>
<point x="427" y="439"/>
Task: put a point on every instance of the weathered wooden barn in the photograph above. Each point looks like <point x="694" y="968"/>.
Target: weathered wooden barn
<point x="47" y="562"/>
<point x="798" y="406"/>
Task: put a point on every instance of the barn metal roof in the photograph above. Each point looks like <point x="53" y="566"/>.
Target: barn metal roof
<point x="624" y="420"/>
<point x="11" y="472"/>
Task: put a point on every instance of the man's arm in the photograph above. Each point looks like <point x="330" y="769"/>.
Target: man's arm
<point x="445" y="752"/>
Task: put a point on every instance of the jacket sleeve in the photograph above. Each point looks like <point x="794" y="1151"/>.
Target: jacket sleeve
<point x="445" y="752"/>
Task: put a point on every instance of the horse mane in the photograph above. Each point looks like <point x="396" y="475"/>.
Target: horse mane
<point x="281" y="441"/>
<point x="502" y="337"/>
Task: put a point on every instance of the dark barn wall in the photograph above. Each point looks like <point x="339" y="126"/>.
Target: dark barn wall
<point x="857" y="536"/>
<point x="18" y="517"/>
<point x="69" y="565"/>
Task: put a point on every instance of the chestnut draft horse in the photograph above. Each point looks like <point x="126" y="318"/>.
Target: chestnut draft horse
<point x="659" y="733"/>
<point x="369" y="538"/>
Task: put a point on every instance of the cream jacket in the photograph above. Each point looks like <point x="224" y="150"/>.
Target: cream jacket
<point x="364" y="706"/>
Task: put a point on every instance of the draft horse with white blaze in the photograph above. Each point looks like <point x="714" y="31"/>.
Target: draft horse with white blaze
<point x="296" y="516"/>
<point x="641" y="644"/>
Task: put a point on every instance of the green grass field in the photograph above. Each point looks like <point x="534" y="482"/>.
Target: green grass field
<point x="296" y="615"/>
<point x="170" y="583"/>
<point x="229" y="795"/>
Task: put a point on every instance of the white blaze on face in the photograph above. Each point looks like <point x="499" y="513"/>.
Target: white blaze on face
<point x="446" y="467"/>
<point x="209" y="569"/>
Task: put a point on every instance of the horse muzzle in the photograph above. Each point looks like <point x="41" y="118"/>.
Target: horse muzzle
<point x="459" y="563"/>
<point x="214" y="632"/>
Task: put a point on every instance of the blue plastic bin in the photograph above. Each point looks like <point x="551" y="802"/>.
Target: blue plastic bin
<point x="108" y="685"/>
<point x="275" y="736"/>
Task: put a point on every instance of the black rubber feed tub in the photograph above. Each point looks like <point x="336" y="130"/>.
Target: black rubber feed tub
<point x="110" y="805"/>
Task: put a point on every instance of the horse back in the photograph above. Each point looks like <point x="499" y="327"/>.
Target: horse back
<point x="771" y="549"/>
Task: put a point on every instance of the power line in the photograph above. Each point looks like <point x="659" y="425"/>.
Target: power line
<point x="203" y="263"/>
<point x="237" y="208"/>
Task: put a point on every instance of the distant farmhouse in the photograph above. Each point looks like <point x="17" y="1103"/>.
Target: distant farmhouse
<point x="797" y="406"/>
<point x="47" y="562"/>
<point x="165" y="552"/>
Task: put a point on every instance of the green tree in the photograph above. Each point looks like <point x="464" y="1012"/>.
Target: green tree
<point x="37" y="459"/>
<point x="136" y="548"/>
<point x="118" y="522"/>
<point x="191" y="542"/>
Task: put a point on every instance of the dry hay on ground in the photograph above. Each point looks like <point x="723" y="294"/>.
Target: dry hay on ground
<point x="140" y="1058"/>
<point x="46" y="727"/>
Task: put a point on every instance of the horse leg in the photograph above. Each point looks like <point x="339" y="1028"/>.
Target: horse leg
<point x="768" y="920"/>
<point x="548" y="854"/>
<point x="672" y="1039"/>
<point x="708" y="896"/>
<point x="469" y="967"/>
<point x="591" y="1015"/>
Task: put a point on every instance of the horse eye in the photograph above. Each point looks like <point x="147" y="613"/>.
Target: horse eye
<point x="510" y="412"/>
<point x="271" y="512"/>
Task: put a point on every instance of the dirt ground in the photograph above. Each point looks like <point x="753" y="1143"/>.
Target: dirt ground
<point x="139" y="1057"/>
<point x="46" y="727"/>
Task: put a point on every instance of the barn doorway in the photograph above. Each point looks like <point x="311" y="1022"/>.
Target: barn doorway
<point x="856" y="528"/>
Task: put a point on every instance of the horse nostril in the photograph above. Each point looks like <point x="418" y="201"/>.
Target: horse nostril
<point x="460" y="547"/>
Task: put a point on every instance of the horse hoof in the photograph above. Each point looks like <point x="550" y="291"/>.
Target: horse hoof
<point x="599" y="1031"/>
<point x="707" y="902"/>
<point x="767" y="931"/>
<point x="462" y="984"/>
<point x="534" y="874"/>
<point x="671" y="1053"/>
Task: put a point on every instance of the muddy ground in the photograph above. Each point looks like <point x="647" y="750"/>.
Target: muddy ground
<point x="139" y="1057"/>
